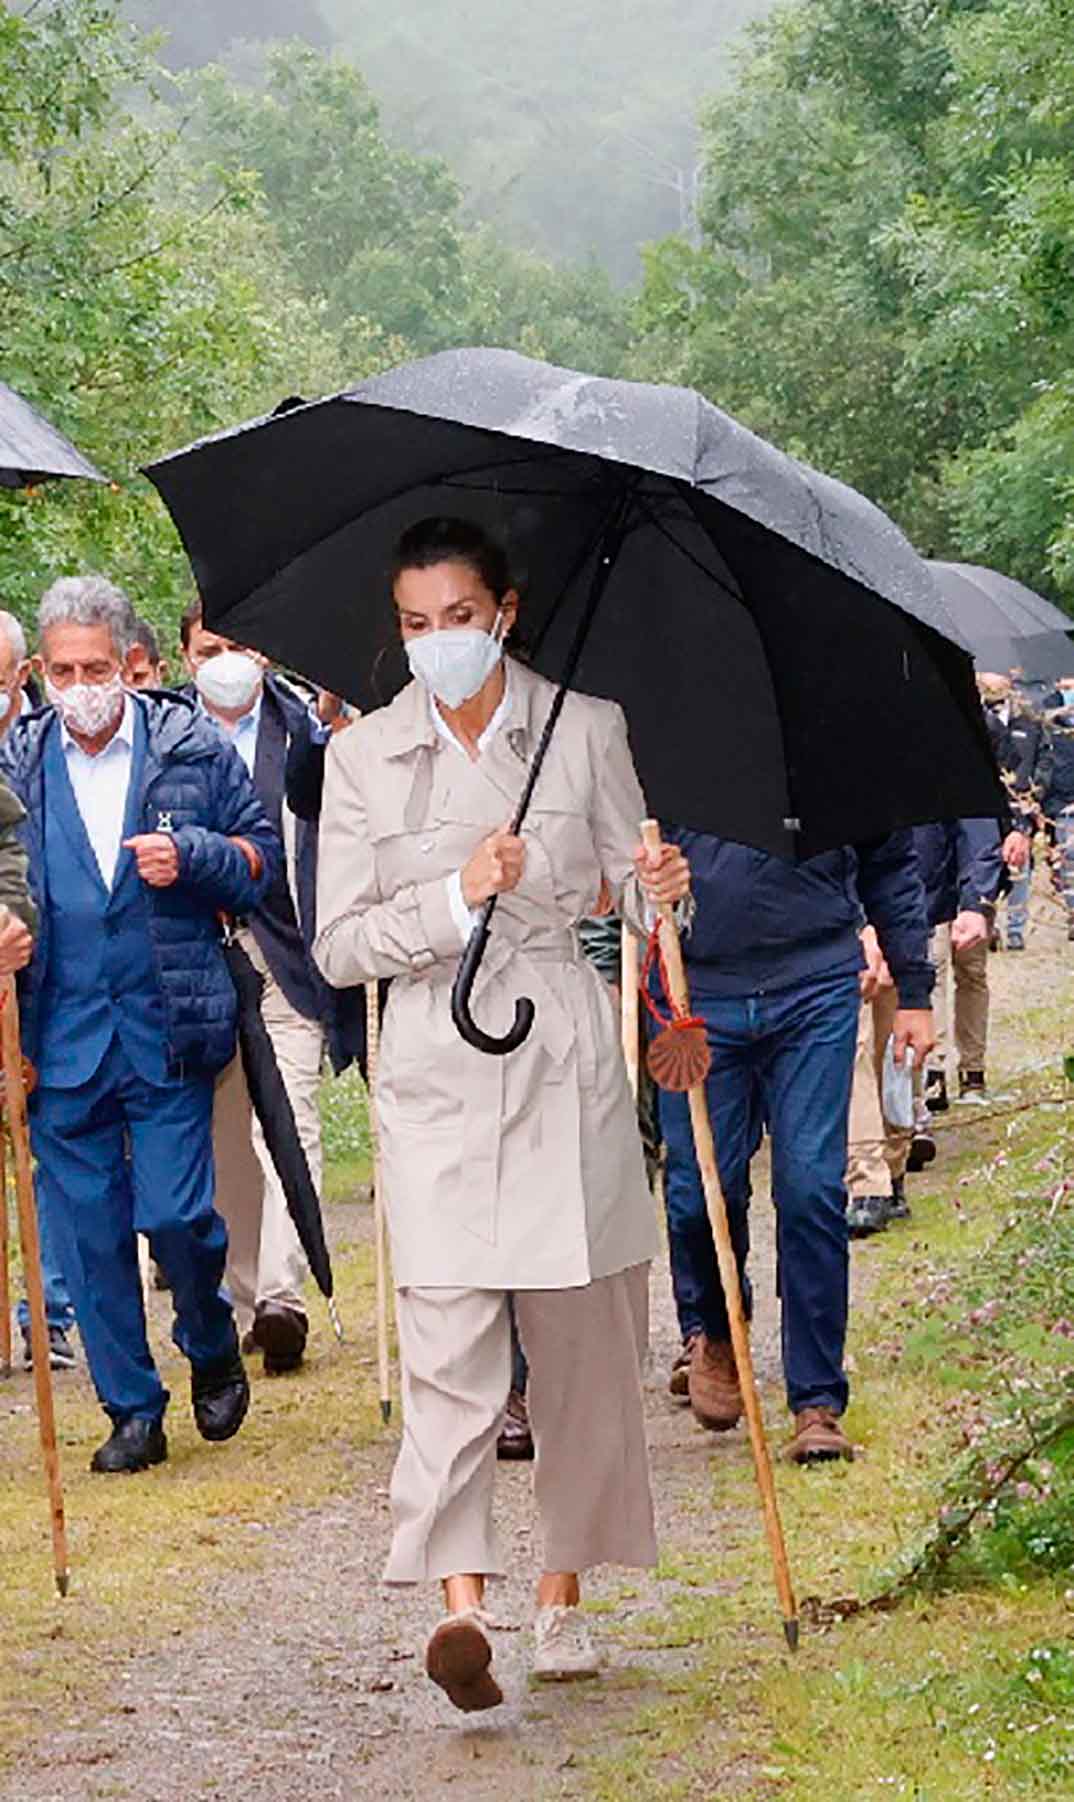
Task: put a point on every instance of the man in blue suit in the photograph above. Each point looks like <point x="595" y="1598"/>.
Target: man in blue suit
<point x="142" y="829"/>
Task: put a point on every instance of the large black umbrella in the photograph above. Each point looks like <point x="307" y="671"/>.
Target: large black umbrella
<point x="31" y="450"/>
<point x="1005" y="624"/>
<point x="791" y="677"/>
<point x="272" y="1105"/>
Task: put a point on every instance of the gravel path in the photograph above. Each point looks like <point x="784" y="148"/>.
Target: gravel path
<point x="306" y="1681"/>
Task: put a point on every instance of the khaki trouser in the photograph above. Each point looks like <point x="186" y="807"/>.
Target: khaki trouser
<point x="877" y="1152"/>
<point x="971" y="1002"/>
<point x="591" y="1475"/>
<point x="265" y="1261"/>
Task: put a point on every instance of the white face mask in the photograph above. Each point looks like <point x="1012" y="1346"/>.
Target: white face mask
<point x="88" y="708"/>
<point x="230" y="680"/>
<point x="455" y="663"/>
<point x="7" y="701"/>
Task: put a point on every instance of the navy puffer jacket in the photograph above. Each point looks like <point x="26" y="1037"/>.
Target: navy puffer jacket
<point x="195" y="786"/>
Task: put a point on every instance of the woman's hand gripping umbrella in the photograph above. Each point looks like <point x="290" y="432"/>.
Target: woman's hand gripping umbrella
<point x="725" y="1256"/>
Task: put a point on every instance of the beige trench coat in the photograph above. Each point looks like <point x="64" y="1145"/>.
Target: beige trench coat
<point x="516" y="1172"/>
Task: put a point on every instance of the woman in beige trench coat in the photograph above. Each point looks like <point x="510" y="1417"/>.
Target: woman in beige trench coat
<point x="521" y="1173"/>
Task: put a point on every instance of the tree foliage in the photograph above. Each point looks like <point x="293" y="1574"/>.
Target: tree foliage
<point x="886" y="278"/>
<point x="176" y="258"/>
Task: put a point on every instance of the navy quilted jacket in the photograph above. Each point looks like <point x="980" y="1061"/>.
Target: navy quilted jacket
<point x="198" y="783"/>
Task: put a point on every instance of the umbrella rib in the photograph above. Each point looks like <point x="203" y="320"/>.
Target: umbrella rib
<point x="577" y="566"/>
<point x="683" y="551"/>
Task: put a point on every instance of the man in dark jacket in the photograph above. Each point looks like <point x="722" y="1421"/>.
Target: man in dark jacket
<point x="1023" y="749"/>
<point x="142" y="828"/>
<point x="961" y="864"/>
<point x="773" y="961"/>
<point x="280" y="737"/>
<point x="1058" y="799"/>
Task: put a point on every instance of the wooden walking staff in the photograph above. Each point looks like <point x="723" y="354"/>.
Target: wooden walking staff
<point x="5" y="1276"/>
<point x="705" y="1148"/>
<point x="628" y="998"/>
<point x="15" y="1107"/>
<point x="380" y="1244"/>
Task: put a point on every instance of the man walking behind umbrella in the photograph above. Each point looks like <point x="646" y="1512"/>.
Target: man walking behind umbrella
<point x="281" y="741"/>
<point x="773" y="961"/>
<point x="142" y="827"/>
<point x="1023" y="751"/>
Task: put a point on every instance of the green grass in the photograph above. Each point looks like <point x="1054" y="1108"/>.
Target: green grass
<point x="145" y="1552"/>
<point x="348" y="1145"/>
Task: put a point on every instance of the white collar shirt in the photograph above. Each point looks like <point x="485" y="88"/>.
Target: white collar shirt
<point x="491" y="729"/>
<point x="100" y="786"/>
<point x="243" y="734"/>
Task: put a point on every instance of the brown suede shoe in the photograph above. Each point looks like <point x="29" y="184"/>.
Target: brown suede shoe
<point x="458" y="1657"/>
<point x="818" y="1438"/>
<point x="715" y="1396"/>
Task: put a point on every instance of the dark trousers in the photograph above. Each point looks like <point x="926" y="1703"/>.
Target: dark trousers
<point x="97" y="1198"/>
<point x="785" y="1058"/>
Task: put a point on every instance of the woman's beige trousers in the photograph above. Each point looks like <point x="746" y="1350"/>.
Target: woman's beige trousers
<point x="585" y="1349"/>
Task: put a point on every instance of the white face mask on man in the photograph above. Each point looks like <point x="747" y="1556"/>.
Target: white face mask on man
<point x="88" y="708"/>
<point x="229" y="680"/>
<point x="454" y="663"/>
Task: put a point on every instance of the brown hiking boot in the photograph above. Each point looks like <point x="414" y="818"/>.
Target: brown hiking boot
<point x="818" y="1438"/>
<point x="679" y="1380"/>
<point x="715" y="1396"/>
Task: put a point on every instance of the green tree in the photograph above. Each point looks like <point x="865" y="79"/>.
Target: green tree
<point x="371" y="231"/>
<point x="885" y="282"/>
<point x="140" y="306"/>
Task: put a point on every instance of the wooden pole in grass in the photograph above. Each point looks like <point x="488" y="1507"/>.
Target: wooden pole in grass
<point x="705" y="1147"/>
<point x="628" y="1001"/>
<point x="380" y="1241"/>
<point x="15" y="1107"/>
<point x="5" y="1272"/>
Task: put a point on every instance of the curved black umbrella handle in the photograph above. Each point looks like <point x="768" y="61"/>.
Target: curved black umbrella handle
<point x="462" y="988"/>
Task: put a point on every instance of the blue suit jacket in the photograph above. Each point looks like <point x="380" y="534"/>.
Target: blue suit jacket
<point x="192" y="784"/>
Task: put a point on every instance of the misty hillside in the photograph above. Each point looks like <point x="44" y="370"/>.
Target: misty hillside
<point x="572" y="128"/>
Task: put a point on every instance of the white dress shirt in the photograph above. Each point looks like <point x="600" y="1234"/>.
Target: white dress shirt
<point x="242" y="732"/>
<point x="100" y="786"/>
<point x="465" y="918"/>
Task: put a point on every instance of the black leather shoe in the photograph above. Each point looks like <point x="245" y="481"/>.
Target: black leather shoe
<point x="220" y="1394"/>
<point x="281" y="1333"/>
<point x="134" y="1445"/>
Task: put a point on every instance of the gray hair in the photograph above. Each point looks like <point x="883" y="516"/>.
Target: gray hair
<point x="13" y="632"/>
<point x="88" y="601"/>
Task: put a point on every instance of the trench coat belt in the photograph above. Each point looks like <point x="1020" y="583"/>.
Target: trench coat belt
<point x="553" y="1029"/>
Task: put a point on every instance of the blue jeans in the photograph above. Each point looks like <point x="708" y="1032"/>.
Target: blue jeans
<point x="58" y="1309"/>
<point x="99" y="1198"/>
<point x="785" y="1058"/>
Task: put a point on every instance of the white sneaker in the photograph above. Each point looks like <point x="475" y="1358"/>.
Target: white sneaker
<point x="564" y="1649"/>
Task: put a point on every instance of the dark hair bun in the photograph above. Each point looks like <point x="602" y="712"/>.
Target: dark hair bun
<point x="442" y="539"/>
